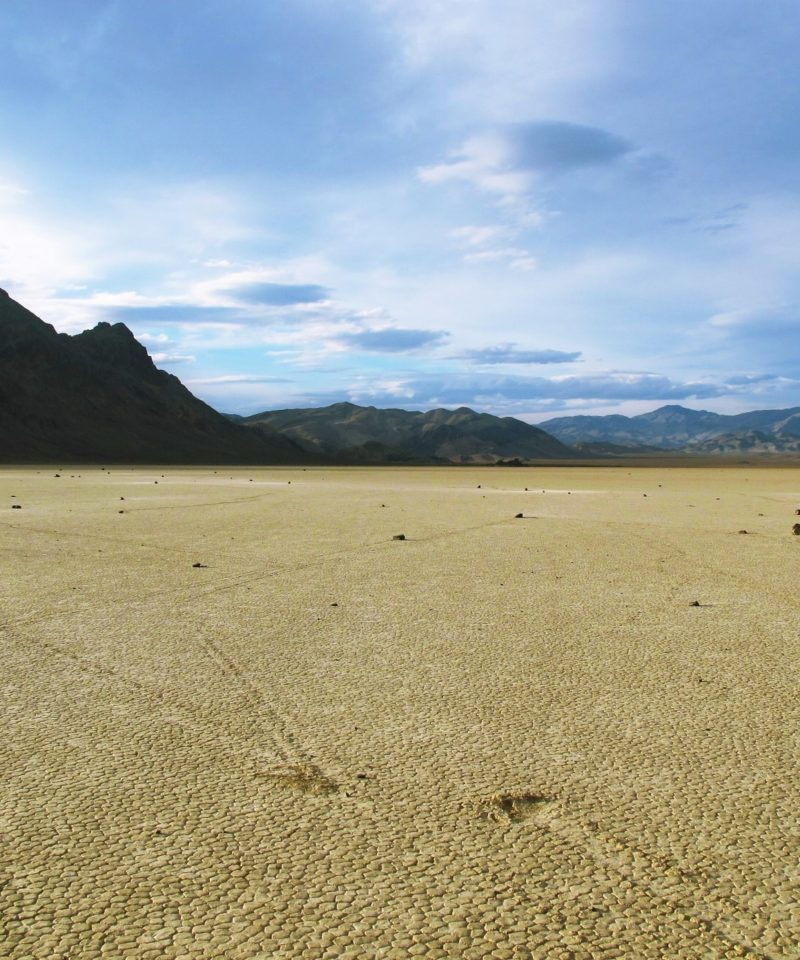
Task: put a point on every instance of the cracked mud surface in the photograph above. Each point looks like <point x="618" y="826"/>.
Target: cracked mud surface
<point x="494" y="739"/>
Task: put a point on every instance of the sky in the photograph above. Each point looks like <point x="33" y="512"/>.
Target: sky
<point x="528" y="207"/>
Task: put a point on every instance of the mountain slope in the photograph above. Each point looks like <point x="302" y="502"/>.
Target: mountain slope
<point x="370" y="435"/>
<point x="97" y="396"/>
<point x="674" y="427"/>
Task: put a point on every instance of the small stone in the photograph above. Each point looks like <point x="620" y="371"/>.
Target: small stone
<point x="201" y="566"/>
<point x="742" y="531"/>
<point x="402" y="536"/>
<point x="518" y="516"/>
<point x="796" y="529"/>
<point x="695" y="603"/>
<point x="16" y="506"/>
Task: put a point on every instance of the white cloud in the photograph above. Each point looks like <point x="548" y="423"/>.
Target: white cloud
<point x="498" y="60"/>
<point x="40" y="253"/>
<point x="486" y="163"/>
<point x="477" y="236"/>
<point x="229" y="378"/>
<point x="517" y="257"/>
<point x="171" y="358"/>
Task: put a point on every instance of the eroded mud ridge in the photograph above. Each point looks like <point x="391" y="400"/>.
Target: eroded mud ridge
<point x="242" y="720"/>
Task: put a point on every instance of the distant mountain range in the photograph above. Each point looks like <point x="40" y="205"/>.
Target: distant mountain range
<point x="680" y="429"/>
<point x="98" y="397"/>
<point x="353" y="434"/>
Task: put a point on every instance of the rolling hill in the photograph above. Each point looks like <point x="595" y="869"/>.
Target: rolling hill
<point x="356" y="434"/>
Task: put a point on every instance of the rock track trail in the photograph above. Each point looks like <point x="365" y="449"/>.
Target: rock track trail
<point x="495" y="739"/>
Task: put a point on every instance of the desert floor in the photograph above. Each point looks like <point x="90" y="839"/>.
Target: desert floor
<point x="501" y="737"/>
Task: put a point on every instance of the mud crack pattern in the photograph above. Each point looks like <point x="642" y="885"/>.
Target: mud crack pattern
<point x="494" y="740"/>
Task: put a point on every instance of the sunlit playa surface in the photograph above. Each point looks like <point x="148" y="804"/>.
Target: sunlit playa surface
<point x="242" y="720"/>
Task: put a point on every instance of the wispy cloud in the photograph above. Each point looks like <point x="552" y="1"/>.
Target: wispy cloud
<point x="476" y="236"/>
<point x="233" y="378"/>
<point x="279" y="294"/>
<point x="487" y="392"/>
<point x="392" y="339"/>
<point x="556" y="146"/>
<point x="516" y="257"/>
<point x="485" y="162"/>
<point x="171" y="359"/>
<point x="180" y="313"/>
<point x="508" y="353"/>
<point x="508" y="160"/>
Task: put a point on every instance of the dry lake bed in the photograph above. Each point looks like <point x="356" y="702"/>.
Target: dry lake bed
<point x="240" y="720"/>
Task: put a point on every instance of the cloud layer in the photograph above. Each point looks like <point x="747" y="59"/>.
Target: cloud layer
<point x="394" y="200"/>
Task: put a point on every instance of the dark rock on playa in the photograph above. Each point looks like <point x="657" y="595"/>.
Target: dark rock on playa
<point x="402" y="536"/>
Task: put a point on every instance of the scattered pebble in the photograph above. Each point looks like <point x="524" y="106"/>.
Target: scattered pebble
<point x="16" y="506"/>
<point x="742" y="531"/>
<point x="796" y="529"/>
<point x="402" y="536"/>
<point x="695" y="603"/>
<point x="200" y="565"/>
<point x="334" y="604"/>
<point x="518" y="516"/>
<point x="120" y="511"/>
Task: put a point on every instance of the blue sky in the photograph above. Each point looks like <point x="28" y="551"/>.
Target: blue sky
<point x="528" y="207"/>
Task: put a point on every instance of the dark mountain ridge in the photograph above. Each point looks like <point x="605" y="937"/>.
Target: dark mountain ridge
<point x="353" y="433"/>
<point x="98" y="396"/>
